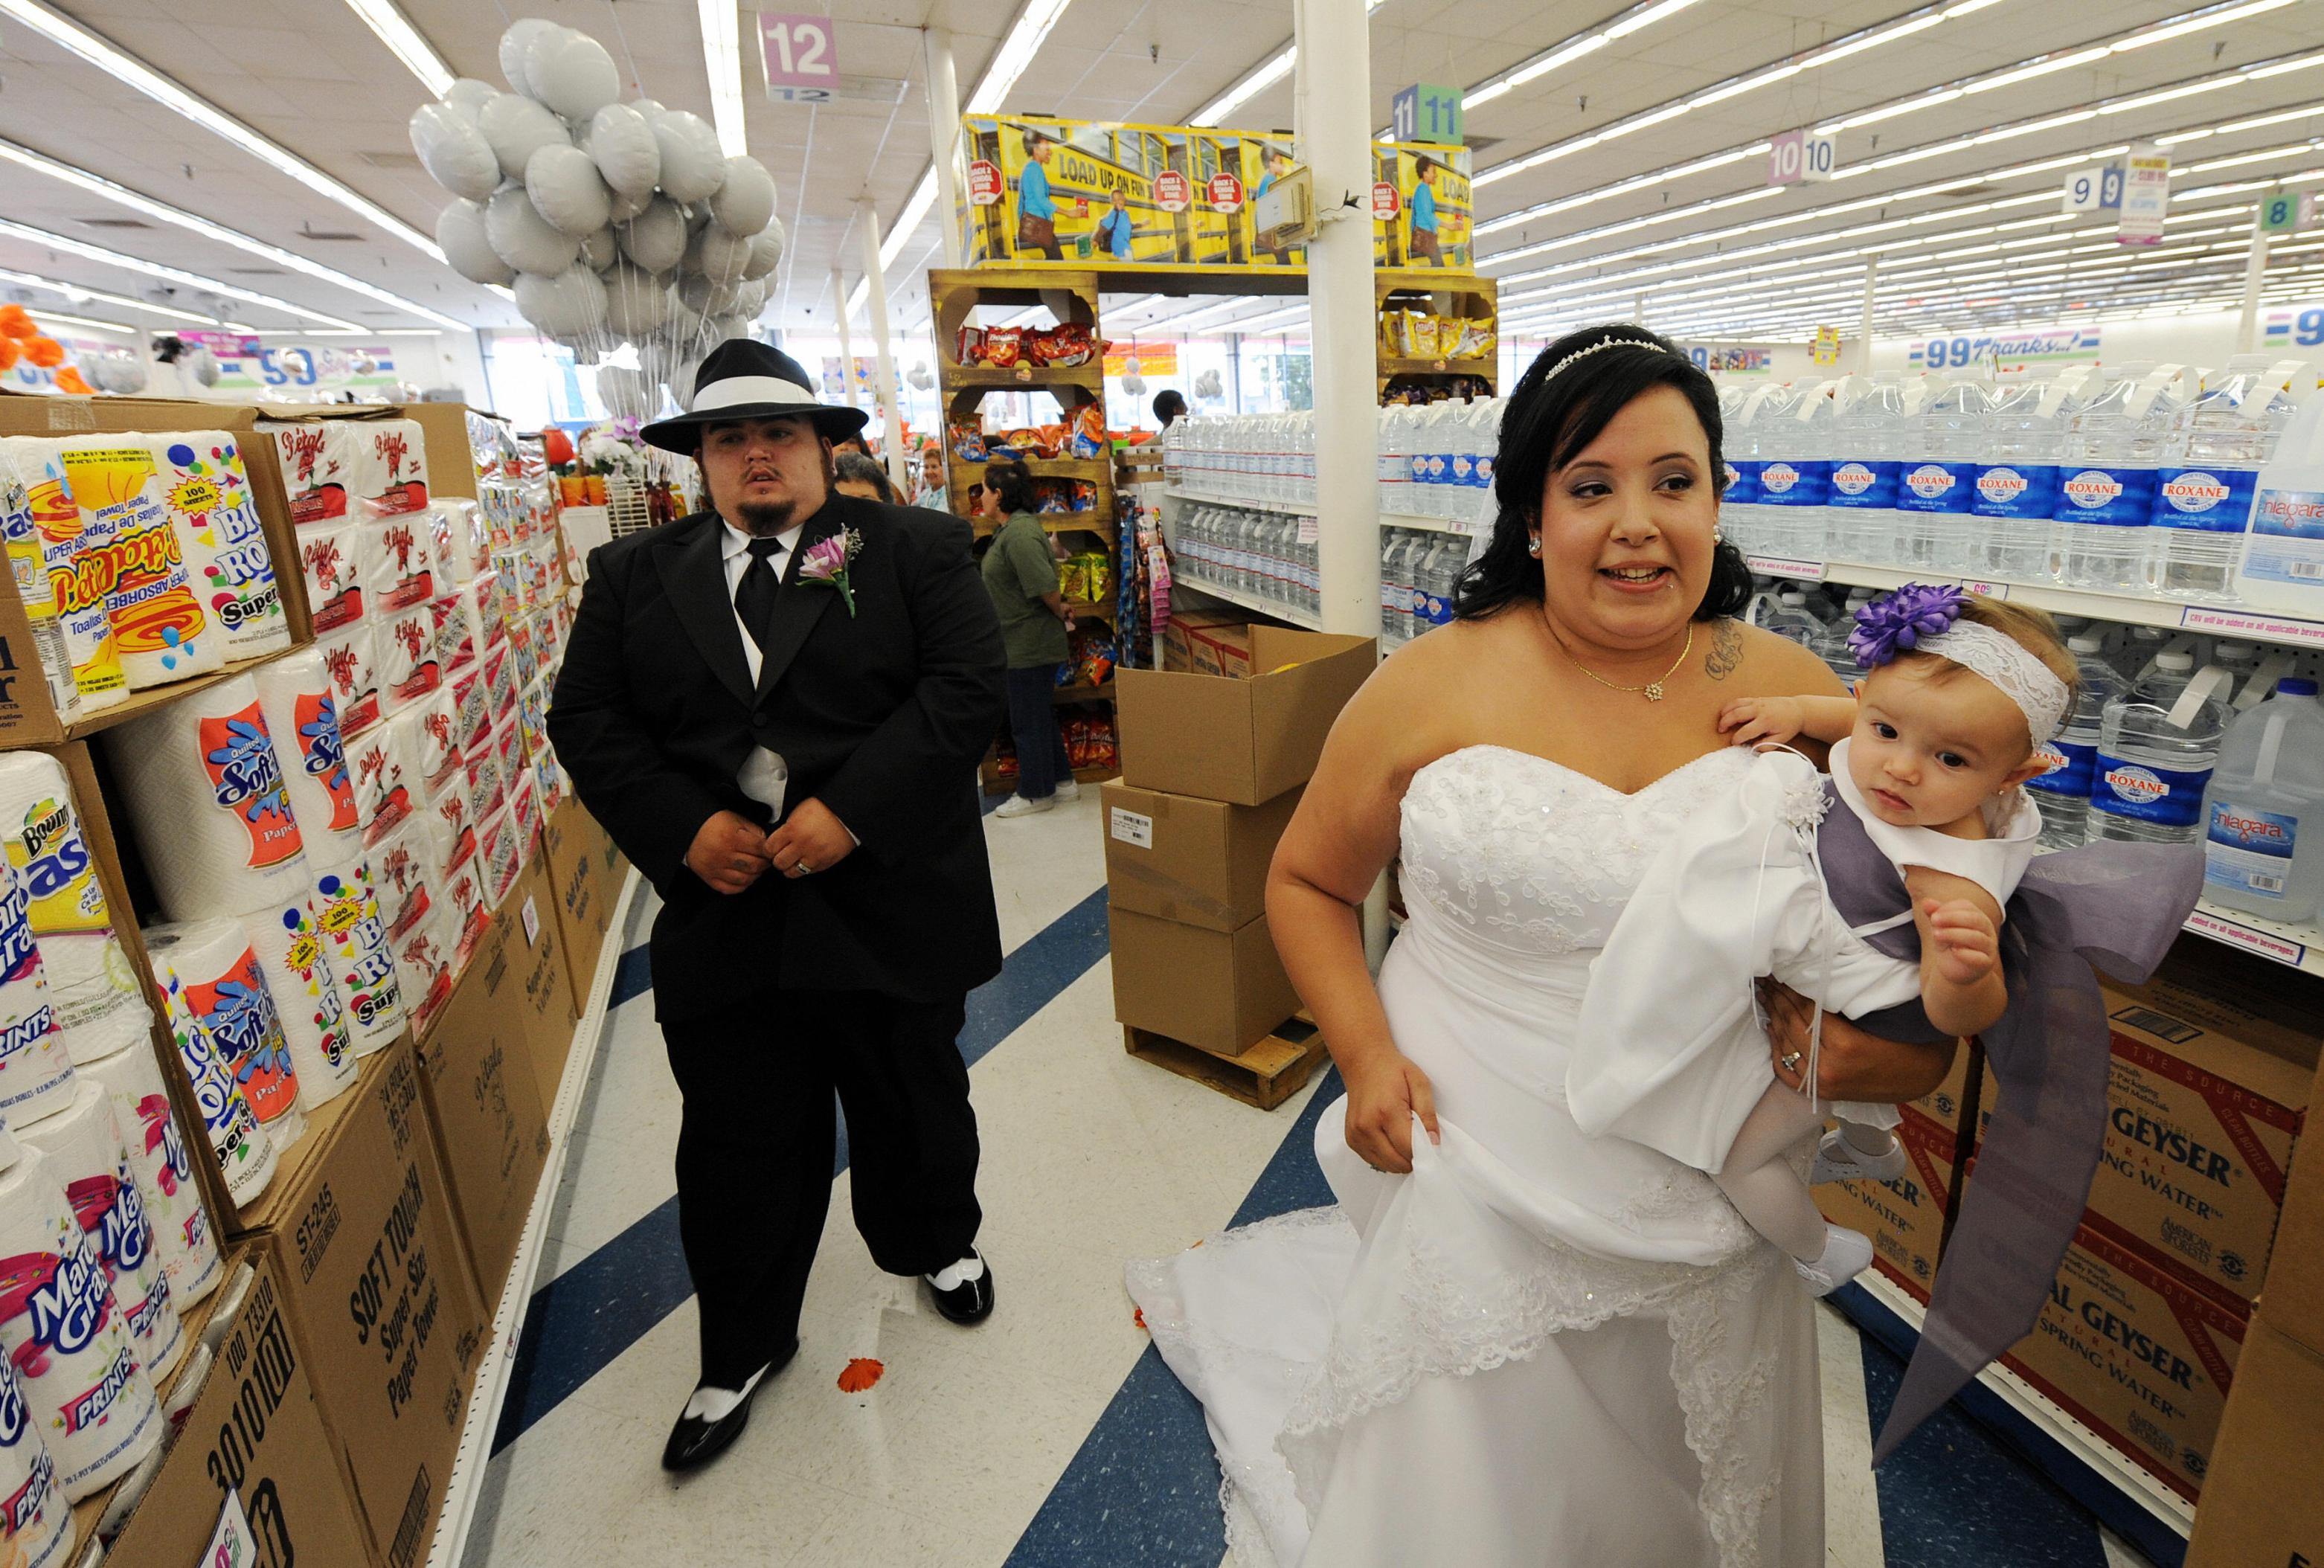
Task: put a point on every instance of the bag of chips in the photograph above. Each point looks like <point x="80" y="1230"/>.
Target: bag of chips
<point x="969" y="348"/>
<point x="1070" y="345"/>
<point x="1083" y="497"/>
<point x="1003" y="348"/>
<point x="1073" y="579"/>
<point x="1089" y="431"/>
<point x="968" y="442"/>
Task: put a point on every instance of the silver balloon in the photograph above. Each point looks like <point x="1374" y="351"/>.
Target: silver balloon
<point x="517" y="128"/>
<point x="621" y="142"/>
<point x="470" y="94"/>
<point x="718" y="255"/>
<point x="202" y="366"/>
<point x="455" y="151"/>
<point x="600" y="250"/>
<point x="565" y="186"/>
<point x="626" y="207"/>
<point x="919" y="377"/>
<point x="649" y="107"/>
<point x="467" y="246"/>
<point x="766" y="251"/>
<point x="746" y="197"/>
<point x="750" y="300"/>
<point x="704" y="297"/>
<point x="637" y="303"/>
<point x="515" y="42"/>
<point x="571" y="303"/>
<point x="573" y="74"/>
<point x="524" y="239"/>
<point x="693" y="165"/>
<point x="656" y="238"/>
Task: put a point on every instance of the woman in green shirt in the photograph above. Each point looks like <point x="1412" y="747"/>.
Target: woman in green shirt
<point x="1020" y="573"/>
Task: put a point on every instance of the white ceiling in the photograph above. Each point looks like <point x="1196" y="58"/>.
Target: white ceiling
<point x="310" y="76"/>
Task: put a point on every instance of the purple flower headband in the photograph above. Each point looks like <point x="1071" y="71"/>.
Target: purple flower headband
<point x="1900" y="621"/>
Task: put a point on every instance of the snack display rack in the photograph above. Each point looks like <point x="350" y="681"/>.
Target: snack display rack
<point x="1448" y="298"/>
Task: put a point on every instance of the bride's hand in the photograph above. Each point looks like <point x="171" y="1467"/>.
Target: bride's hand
<point x="1854" y="1064"/>
<point x="1384" y="1094"/>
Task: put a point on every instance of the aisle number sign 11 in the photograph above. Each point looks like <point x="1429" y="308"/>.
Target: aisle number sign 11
<point x="1427" y="113"/>
<point x="1801" y="157"/>
<point x="801" y="59"/>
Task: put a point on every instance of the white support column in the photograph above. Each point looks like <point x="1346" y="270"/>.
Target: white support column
<point x="1864" y="320"/>
<point x="2255" y="273"/>
<point x="1335" y="138"/>
<point x="900" y="468"/>
<point x="944" y="133"/>
<point x="846" y="335"/>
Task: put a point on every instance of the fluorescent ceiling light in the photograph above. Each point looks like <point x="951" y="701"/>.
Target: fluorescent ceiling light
<point x="2140" y="40"/>
<point x="1273" y="70"/>
<point x="385" y="18"/>
<point x="2304" y="62"/>
<point x="1654" y="14"/>
<point x="1565" y="55"/>
<point x="2038" y="67"/>
<point x="1871" y="40"/>
<point x="722" y="58"/>
<point x="72" y="37"/>
<point x="82" y="248"/>
<point x="194" y="223"/>
<point x="80" y="293"/>
<point x="125" y="331"/>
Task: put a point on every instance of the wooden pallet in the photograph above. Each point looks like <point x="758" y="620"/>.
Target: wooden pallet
<point x="1265" y="1075"/>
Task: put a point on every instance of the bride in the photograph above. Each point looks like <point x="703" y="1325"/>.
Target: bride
<point x="1508" y="1344"/>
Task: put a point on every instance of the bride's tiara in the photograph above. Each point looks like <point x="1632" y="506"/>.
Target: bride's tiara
<point x="1597" y="347"/>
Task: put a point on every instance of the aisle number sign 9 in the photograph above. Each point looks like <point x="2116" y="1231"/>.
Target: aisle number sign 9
<point x="1799" y="157"/>
<point x="802" y="61"/>
<point x="2304" y="328"/>
<point x="2094" y="190"/>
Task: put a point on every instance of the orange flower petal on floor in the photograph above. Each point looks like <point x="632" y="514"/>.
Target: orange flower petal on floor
<point x="860" y="1374"/>
<point x="1138" y="1317"/>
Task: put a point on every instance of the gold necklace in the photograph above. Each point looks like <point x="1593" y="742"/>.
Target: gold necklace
<point x="1653" y="688"/>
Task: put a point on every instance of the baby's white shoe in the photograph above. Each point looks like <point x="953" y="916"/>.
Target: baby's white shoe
<point x="1839" y="1160"/>
<point x="1846" y="1254"/>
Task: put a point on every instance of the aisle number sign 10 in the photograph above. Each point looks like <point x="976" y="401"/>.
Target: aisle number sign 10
<point x="1800" y="157"/>
<point x="801" y="59"/>
<point x="1425" y="112"/>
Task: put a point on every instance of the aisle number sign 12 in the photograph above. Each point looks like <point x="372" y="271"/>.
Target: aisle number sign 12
<point x="801" y="59"/>
<point x="1800" y="157"/>
<point x="1426" y="112"/>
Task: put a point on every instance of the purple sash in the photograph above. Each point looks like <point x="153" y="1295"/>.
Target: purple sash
<point x="2115" y="907"/>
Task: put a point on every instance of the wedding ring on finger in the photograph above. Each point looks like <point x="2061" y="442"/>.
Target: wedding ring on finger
<point x="1791" y="1061"/>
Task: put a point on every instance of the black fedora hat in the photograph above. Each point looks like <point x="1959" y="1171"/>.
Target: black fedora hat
<point x="744" y="379"/>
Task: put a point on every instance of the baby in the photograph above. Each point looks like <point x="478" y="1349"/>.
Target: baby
<point x="1960" y="693"/>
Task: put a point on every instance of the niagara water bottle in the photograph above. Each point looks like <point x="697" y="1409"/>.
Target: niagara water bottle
<point x="2151" y="770"/>
<point x="2203" y="493"/>
<point x="2063" y="793"/>
<point x="2269" y="786"/>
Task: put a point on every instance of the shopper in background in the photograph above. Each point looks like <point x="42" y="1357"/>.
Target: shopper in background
<point x="1169" y="406"/>
<point x="776" y="707"/>
<point x="1541" y="1337"/>
<point x="1037" y="212"/>
<point x="854" y="474"/>
<point x="1020" y="573"/>
<point x="931" y="480"/>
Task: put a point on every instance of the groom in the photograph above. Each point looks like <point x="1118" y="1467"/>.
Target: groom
<point x="776" y="707"/>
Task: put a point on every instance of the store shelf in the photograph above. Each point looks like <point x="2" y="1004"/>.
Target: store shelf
<point x="1481" y="368"/>
<point x="2130" y="609"/>
<point x="1460" y="525"/>
<point x="1024" y="377"/>
<point x="1058" y="522"/>
<point x="2131" y="1502"/>
<point x="1067" y="696"/>
<point x="1275" y="608"/>
<point x="2297" y="946"/>
<point x="465" y="1484"/>
<point x="1094" y="470"/>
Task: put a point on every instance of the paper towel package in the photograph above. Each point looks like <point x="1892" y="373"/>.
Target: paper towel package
<point x="348" y="659"/>
<point x="288" y="940"/>
<point x="470" y="708"/>
<point x="499" y="684"/>
<point x="398" y="573"/>
<point x="36" y="1068"/>
<point x="484" y="592"/>
<point x="524" y="658"/>
<point x="408" y="669"/>
<point x="501" y="853"/>
<point x="317" y="460"/>
<point x="458" y="631"/>
<point x="75" y="592"/>
<point x="38" y="1522"/>
<point x="386" y="781"/>
<point x="181" y="1226"/>
<point x="206" y="792"/>
<point x="401" y="874"/>
<point x="525" y="812"/>
<point x="550" y="779"/>
<point x="96" y="996"/>
<point x="465" y="903"/>
<point x="84" y="1148"/>
<point x="363" y="961"/>
<point x="42" y="833"/>
<point x="424" y="957"/>
<point x="434" y="741"/>
<point x="302" y="715"/>
<point x="245" y="1151"/>
<point x="532" y="712"/>
<point x="508" y="749"/>
<point x="450" y="827"/>
<point x="462" y="548"/>
<point x="390" y="468"/>
<point x="547" y="639"/>
<point x="225" y="987"/>
<point x="331" y="560"/>
<point x="487" y="790"/>
<point x="207" y="493"/>
<point x="88" y="1391"/>
<point x="163" y="632"/>
<point x="28" y="565"/>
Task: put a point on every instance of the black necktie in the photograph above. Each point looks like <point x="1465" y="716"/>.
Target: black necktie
<point x="754" y="596"/>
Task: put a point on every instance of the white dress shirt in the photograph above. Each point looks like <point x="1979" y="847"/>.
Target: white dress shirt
<point x="764" y="776"/>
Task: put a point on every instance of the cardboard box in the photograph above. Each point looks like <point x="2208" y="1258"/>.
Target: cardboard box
<point x="491" y="1134"/>
<point x="2293" y="1299"/>
<point x="257" y="1431"/>
<point x="1200" y="862"/>
<point x="27" y="716"/>
<point x="451" y="458"/>
<point x="2262" y="1507"/>
<point x="1242" y="740"/>
<point x="1906" y="1218"/>
<point x="536" y="945"/>
<point x="1207" y="645"/>
<point x="574" y="847"/>
<point x="2204" y="1105"/>
<point x="1942" y="1105"/>
<point x="1221" y="991"/>
<point x="2137" y="1352"/>
<point x="379" y="1294"/>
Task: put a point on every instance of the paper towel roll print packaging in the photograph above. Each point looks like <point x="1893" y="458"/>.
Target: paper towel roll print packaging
<point x="331" y="560"/>
<point x="232" y="572"/>
<point x="182" y="1233"/>
<point x="316" y="459"/>
<point x="68" y="551"/>
<point x="390" y="467"/>
<point x="288" y="941"/>
<point x="90" y="1157"/>
<point x="245" y="1151"/>
<point x="225" y="987"/>
<point x="39" y="825"/>
<point x="205" y="788"/>
<point x="36" y="1071"/>
<point x="29" y="566"/>
<point x="35" y="1520"/>
<point x="141" y="564"/>
<point x="302" y="718"/>
<point x="348" y="659"/>
<point x="90" y="1397"/>
<point x="363" y="960"/>
<point x="399" y="568"/>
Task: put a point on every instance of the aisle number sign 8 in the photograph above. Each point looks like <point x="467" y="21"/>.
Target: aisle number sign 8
<point x="801" y="60"/>
<point x="1427" y="113"/>
<point x="1797" y="157"/>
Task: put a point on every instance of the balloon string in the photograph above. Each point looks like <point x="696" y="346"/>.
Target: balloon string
<point x="636" y="82"/>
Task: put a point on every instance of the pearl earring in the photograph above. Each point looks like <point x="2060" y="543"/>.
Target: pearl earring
<point x="1532" y="544"/>
<point x="1716" y="537"/>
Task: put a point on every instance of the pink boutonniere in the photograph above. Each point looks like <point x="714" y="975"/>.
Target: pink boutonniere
<point x="826" y="561"/>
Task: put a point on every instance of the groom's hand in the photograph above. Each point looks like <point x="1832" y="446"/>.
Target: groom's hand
<point x="811" y="839"/>
<point x="729" y="852"/>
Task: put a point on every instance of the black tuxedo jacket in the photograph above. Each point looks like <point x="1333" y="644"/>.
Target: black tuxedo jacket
<point x="883" y="716"/>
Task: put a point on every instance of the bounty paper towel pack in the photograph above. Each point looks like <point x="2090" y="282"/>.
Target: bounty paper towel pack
<point x="207" y="493"/>
<point x="73" y="1352"/>
<point x="362" y="959"/>
<point x="302" y="717"/>
<point x="181" y="1229"/>
<point x="89" y="1155"/>
<point x="41" y="829"/>
<point x="70" y="553"/>
<point x="288" y="941"/>
<point x="316" y="459"/>
<point x="205" y="788"/>
<point x="163" y="632"/>
<point x="29" y="566"/>
<point x="35" y="1520"/>
<point x="331" y="561"/>
<point x="224" y="988"/>
<point x="245" y="1151"/>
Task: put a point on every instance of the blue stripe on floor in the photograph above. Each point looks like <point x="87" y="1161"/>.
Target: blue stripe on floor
<point x="581" y="1321"/>
<point x="1144" y="1486"/>
<point x="632" y="977"/>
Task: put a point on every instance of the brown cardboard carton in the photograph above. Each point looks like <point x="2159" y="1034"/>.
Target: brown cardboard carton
<point x="1906" y="1218"/>
<point x="2137" y="1352"/>
<point x="571" y="840"/>
<point x="491" y="1135"/>
<point x="536" y="945"/>
<point x="2293" y="1299"/>
<point x="1221" y="991"/>
<point x="254" y="1431"/>
<point x="1201" y="863"/>
<point x="2262" y="1507"/>
<point x="379" y="1294"/>
<point x="1244" y="740"/>
<point x="451" y="460"/>
<point x="1942" y="1105"/>
<point x="2204" y="1104"/>
<point x="1206" y="645"/>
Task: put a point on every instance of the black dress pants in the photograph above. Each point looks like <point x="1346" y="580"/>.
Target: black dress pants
<point x="756" y="1145"/>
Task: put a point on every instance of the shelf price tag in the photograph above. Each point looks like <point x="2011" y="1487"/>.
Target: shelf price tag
<point x="2235" y="932"/>
<point x="1987" y="590"/>
<point x="1777" y="566"/>
<point x="2249" y="624"/>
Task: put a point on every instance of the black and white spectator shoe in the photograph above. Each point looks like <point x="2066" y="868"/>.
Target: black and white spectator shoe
<point x="962" y="1292"/>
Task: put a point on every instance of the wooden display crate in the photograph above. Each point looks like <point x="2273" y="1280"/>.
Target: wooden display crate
<point x="1264" y="1074"/>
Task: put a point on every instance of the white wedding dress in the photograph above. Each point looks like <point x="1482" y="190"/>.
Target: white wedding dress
<point x="1538" y="1349"/>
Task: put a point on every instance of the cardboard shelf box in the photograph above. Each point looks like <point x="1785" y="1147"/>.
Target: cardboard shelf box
<point x="1243" y="740"/>
<point x="2291" y="1299"/>
<point x="1218" y="990"/>
<point x="2262" y="1507"/>
<point x="1207" y="644"/>
<point x="1179" y="857"/>
<point x="582" y="863"/>
<point x="536" y="943"/>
